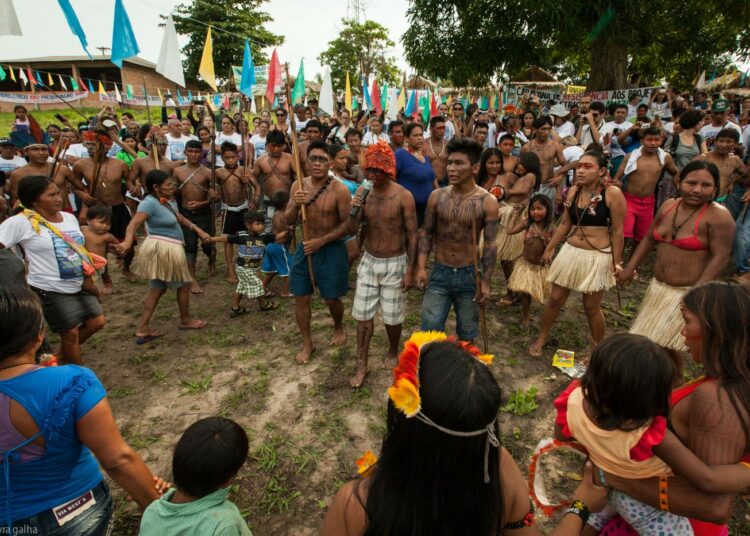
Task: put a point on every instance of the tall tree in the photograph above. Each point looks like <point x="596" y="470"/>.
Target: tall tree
<point x="360" y="49"/>
<point x="603" y="42"/>
<point x="243" y="18"/>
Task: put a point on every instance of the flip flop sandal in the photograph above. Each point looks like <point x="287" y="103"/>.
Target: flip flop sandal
<point x="198" y="324"/>
<point x="143" y="339"/>
<point x="234" y="313"/>
<point x="270" y="306"/>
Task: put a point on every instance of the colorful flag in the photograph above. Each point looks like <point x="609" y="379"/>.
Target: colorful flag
<point x="384" y="97"/>
<point x="74" y="83"/>
<point x="170" y="63"/>
<point x="75" y="25"/>
<point x="433" y="107"/>
<point x="348" y="94"/>
<point x="190" y="96"/>
<point x="411" y="106"/>
<point x="274" y="72"/>
<point x="129" y="91"/>
<point x="484" y="103"/>
<point x="206" y="68"/>
<point x="2" y="73"/>
<point x="401" y="103"/>
<point x="39" y="78"/>
<point x="12" y="74"/>
<point x="101" y="89"/>
<point x="424" y="105"/>
<point x="91" y="86"/>
<point x="158" y="92"/>
<point x="298" y="91"/>
<point x="124" y="44"/>
<point x="355" y="105"/>
<point x="248" y="72"/>
<point x="62" y="82"/>
<point x="392" y="110"/>
<point x="30" y="77"/>
<point x="23" y="77"/>
<point x="366" y="101"/>
<point x="326" y="101"/>
<point x="8" y="19"/>
<point x="375" y="96"/>
<point x="117" y="94"/>
<point x="50" y="83"/>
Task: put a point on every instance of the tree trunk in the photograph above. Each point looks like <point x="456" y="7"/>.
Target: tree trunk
<point x="609" y="60"/>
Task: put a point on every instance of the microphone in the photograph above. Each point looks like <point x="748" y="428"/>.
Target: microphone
<point x="367" y="185"/>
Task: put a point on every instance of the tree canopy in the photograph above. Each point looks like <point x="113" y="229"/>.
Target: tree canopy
<point x="602" y="43"/>
<point x="241" y="17"/>
<point x="360" y="48"/>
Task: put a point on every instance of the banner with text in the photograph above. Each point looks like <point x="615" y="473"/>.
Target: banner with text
<point x="517" y="93"/>
<point x="41" y="98"/>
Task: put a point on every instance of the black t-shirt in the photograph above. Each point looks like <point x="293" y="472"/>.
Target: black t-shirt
<point x="252" y="247"/>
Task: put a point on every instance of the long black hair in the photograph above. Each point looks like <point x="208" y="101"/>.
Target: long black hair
<point x="547" y="203"/>
<point x="697" y="165"/>
<point x="530" y="162"/>
<point x="427" y="482"/>
<point x="31" y="188"/>
<point x="486" y="155"/>
<point x="21" y="319"/>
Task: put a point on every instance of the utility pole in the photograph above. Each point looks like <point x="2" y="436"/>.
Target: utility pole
<point x="355" y="10"/>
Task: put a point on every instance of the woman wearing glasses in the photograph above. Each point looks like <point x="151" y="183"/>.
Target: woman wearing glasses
<point x="592" y="227"/>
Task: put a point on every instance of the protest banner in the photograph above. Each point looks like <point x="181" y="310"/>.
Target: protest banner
<point x="570" y="98"/>
<point x="41" y="98"/>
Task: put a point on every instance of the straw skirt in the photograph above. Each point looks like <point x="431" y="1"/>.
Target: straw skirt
<point x="509" y="247"/>
<point x="582" y="270"/>
<point x="531" y="279"/>
<point x="659" y="317"/>
<point x="162" y="258"/>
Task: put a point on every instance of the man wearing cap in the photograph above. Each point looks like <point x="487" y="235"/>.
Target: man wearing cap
<point x="39" y="164"/>
<point x="719" y="121"/>
<point x="9" y="160"/>
<point x="562" y="126"/>
<point x="389" y="220"/>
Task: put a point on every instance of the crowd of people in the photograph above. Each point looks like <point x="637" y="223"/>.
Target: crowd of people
<point x="560" y="198"/>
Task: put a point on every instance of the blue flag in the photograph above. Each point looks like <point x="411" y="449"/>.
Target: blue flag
<point x="366" y="94"/>
<point x="124" y="44"/>
<point x="190" y="96"/>
<point x="39" y="78"/>
<point x="75" y="25"/>
<point x="91" y="88"/>
<point x="248" y="72"/>
<point x="411" y="106"/>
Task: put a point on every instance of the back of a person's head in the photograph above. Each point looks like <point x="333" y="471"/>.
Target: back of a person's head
<point x="21" y="320"/>
<point x="208" y="455"/>
<point x="628" y="381"/>
<point x="279" y="199"/>
<point x="428" y="481"/>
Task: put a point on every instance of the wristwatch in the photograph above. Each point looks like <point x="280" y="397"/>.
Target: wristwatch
<point x="578" y="508"/>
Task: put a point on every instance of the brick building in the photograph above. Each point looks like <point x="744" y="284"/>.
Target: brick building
<point x="135" y="71"/>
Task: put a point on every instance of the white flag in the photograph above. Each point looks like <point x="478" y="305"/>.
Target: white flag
<point x="325" y="101"/>
<point x="8" y="19"/>
<point x="170" y="62"/>
<point x="117" y="95"/>
<point x="22" y="74"/>
<point x="392" y="112"/>
<point x="701" y="80"/>
<point x="62" y="82"/>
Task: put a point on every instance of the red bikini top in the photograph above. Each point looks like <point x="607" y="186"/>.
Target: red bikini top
<point x="689" y="243"/>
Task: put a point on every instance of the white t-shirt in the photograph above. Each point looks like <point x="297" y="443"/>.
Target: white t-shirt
<point x="745" y="139"/>
<point x="9" y="166"/>
<point x="370" y="138"/>
<point x="709" y="132"/>
<point x="566" y="129"/>
<point x="587" y="138"/>
<point x="235" y="138"/>
<point x="614" y="129"/>
<point x="259" y="144"/>
<point x="632" y="111"/>
<point x="299" y="125"/>
<point x="77" y="150"/>
<point x="53" y="265"/>
<point x="572" y="154"/>
<point x="176" y="146"/>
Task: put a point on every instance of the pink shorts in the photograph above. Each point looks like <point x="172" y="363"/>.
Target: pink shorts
<point x="639" y="213"/>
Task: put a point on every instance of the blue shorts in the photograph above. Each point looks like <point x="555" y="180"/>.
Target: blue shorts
<point x="330" y="267"/>
<point x="276" y="260"/>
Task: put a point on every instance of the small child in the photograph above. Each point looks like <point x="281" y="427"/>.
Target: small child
<point x="529" y="276"/>
<point x="619" y="412"/>
<point x="276" y="260"/>
<point x="207" y="457"/>
<point x="249" y="256"/>
<point x="98" y="240"/>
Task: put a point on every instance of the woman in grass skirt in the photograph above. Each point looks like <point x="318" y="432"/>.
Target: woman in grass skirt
<point x="161" y="257"/>
<point x="592" y="228"/>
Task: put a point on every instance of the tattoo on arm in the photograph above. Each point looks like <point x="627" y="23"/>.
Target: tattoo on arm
<point x="489" y="254"/>
<point x="426" y="234"/>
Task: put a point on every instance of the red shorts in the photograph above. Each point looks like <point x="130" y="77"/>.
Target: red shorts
<point x="639" y="213"/>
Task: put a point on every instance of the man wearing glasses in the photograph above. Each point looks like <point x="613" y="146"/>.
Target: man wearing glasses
<point x="328" y="204"/>
<point x="454" y="127"/>
<point x="593" y="121"/>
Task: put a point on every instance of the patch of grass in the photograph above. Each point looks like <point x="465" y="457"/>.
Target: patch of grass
<point x="330" y="428"/>
<point x="157" y="376"/>
<point x="246" y="355"/>
<point x="197" y="385"/>
<point x="139" y="441"/>
<point x="521" y="403"/>
<point x="139" y="359"/>
<point x="121" y="392"/>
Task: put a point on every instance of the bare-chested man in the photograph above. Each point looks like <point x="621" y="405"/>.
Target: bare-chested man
<point x="455" y="217"/>
<point x="239" y="192"/>
<point x="38" y="165"/>
<point x="434" y="148"/>
<point x="275" y="169"/>
<point x="328" y="204"/>
<point x="194" y="195"/>
<point x="141" y="167"/>
<point x="314" y="130"/>
<point x="105" y="187"/>
<point x="638" y="177"/>
<point x="723" y="157"/>
<point x="550" y="154"/>
<point x="356" y="154"/>
<point x="386" y="270"/>
<point x="506" y="144"/>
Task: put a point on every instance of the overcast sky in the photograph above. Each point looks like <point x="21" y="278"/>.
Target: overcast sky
<point x="307" y="25"/>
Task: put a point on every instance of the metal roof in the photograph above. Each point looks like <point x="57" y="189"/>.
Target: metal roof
<point x="70" y="59"/>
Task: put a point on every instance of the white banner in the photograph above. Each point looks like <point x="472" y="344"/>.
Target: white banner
<point x="41" y="98"/>
<point x="516" y="93"/>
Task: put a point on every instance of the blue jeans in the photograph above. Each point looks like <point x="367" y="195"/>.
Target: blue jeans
<point x="451" y="286"/>
<point x="741" y="247"/>
<point x="96" y="521"/>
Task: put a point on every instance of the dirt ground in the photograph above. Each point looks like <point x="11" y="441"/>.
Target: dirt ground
<point x="307" y="426"/>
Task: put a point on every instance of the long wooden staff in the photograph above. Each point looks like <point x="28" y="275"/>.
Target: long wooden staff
<point x="478" y="279"/>
<point x="212" y="204"/>
<point x="298" y="171"/>
<point x="97" y="168"/>
<point x="60" y="151"/>
<point x="152" y="134"/>
<point x="243" y="133"/>
<point x="614" y="266"/>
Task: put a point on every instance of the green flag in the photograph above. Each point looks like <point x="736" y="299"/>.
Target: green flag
<point x="298" y="92"/>
<point x="424" y="106"/>
<point x="129" y="91"/>
<point x="74" y="83"/>
<point x="384" y="97"/>
<point x="354" y="104"/>
<point x="2" y="74"/>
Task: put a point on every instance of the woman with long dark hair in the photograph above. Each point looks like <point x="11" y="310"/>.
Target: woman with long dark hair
<point x="442" y="470"/>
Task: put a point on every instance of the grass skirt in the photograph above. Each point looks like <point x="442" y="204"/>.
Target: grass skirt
<point x="582" y="270"/>
<point x="163" y="259"/>
<point x="659" y="317"/>
<point x="531" y="279"/>
<point x="509" y="247"/>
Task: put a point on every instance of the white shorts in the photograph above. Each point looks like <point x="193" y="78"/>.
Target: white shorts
<point x="379" y="281"/>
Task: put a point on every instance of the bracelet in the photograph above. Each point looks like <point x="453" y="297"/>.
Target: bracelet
<point x="578" y="508"/>
<point x="602" y="480"/>
<point x="192" y="225"/>
<point x="663" y="494"/>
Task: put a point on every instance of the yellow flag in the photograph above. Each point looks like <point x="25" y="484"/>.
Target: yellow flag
<point x="49" y="80"/>
<point x="158" y="92"/>
<point x="12" y="74"/>
<point x="206" y="69"/>
<point x="348" y="97"/>
<point x="101" y="89"/>
<point x="401" y="102"/>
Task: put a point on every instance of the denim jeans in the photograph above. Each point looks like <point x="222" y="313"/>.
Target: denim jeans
<point x="451" y="286"/>
<point x="741" y="247"/>
<point x="96" y="521"/>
